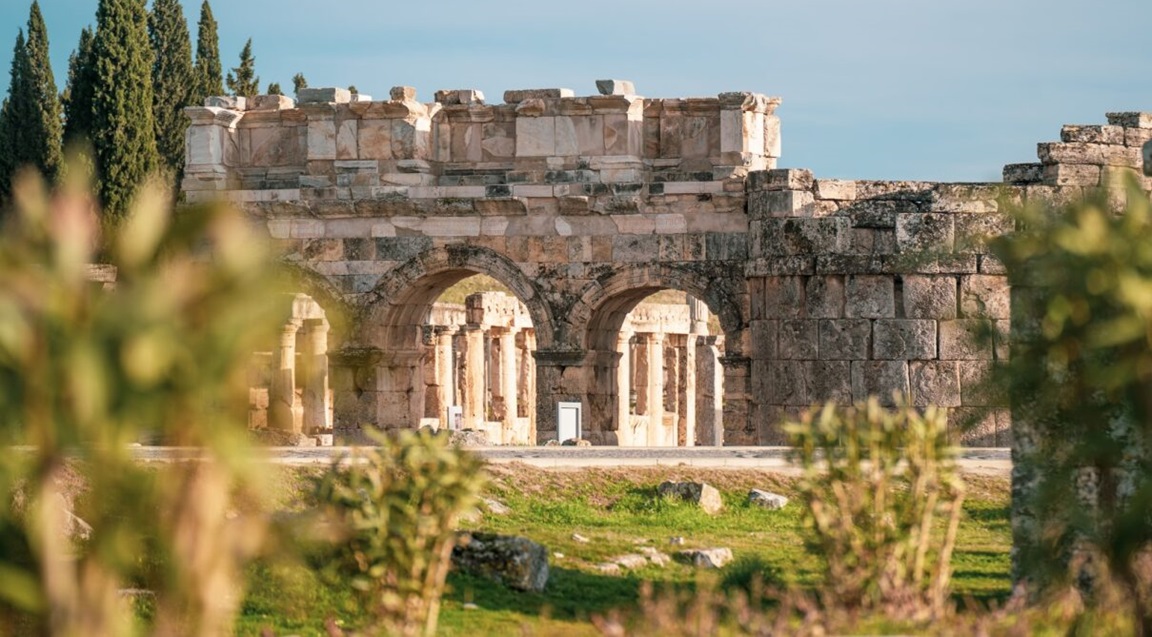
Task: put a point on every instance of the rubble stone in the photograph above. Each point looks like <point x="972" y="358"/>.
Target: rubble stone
<point x="515" y="562"/>
<point x="704" y="495"/>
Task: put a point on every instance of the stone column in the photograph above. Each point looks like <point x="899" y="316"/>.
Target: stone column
<point x="210" y="149"/>
<point x="709" y="392"/>
<point x="283" y="412"/>
<point x="600" y="423"/>
<point x="738" y="430"/>
<point x="472" y="386"/>
<point x="624" y="389"/>
<point x="673" y="390"/>
<point x="687" y="421"/>
<point x="655" y="351"/>
<point x="560" y="377"/>
<point x="317" y="405"/>
<point x="508" y="383"/>
<point x="698" y="315"/>
<point x="526" y="400"/>
<point x="445" y="373"/>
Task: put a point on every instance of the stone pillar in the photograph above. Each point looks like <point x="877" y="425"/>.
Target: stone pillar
<point x="283" y="412"/>
<point x="640" y="376"/>
<point x="508" y="383"/>
<point x="709" y="393"/>
<point x="624" y="389"/>
<point x="687" y="421"/>
<point x="317" y="404"/>
<point x="445" y="373"/>
<point x="560" y="377"/>
<point x="600" y="422"/>
<point x="673" y="390"/>
<point x="401" y="389"/>
<point x="210" y="152"/>
<point x="698" y="316"/>
<point x="738" y="430"/>
<point x="472" y="377"/>
<point x="526" y="400"/>
<point x="655" y="351"/>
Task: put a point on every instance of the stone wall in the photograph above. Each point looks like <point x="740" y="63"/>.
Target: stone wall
<point x="583" y="206"/>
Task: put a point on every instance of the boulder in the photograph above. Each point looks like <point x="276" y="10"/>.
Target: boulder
<point x="767" y="499"/>
<point x="655" y="556"/>
<point x="705" y="495"/>
<point x="469" y="438"/>
<point x="630" y="560"/>
<point x="576" y="442"/>
<point x="496" y="507"/>
<point x="705" y="558"/>
<point x="515" y="562"/>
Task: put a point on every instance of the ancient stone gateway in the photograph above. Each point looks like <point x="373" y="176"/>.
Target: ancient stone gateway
<point x="584" y="206"/>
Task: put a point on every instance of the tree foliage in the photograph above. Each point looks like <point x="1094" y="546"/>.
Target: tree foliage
<point x="299" y="82"/>
<point x="79" y="92"/>
<point x="209" y="71"/>
<point x="274" y="89"/>
<point x="242" y="80"/>
<point x="123" y="133"/>
<point x="1080" y="376"/>
<point x="172" y="80"/>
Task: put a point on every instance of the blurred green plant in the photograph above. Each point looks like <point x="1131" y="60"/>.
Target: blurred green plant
<point x="1080" y="379"/>
<point x="394" y="511"/>
<point x="85" y="371"/>
<point x="875" y="484"/>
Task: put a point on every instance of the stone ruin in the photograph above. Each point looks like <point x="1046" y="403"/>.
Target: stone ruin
<point x="583" y="207"/>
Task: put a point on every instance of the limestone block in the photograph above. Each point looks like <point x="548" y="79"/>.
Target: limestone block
<point x="829" y="381"/>
<point x="835" y="189"/>
<point x="567" y="143"/>
<point x="321" y="139"/>
<point x="1109" y="134"/>
<point x="798" y="339"/>
<point x="634" y="248"/>
<point x="764" y="339"/>
<point x="411" y="139"/>
<point x="347" y="132"/>
<point x="360" y="97"/>
<point x="965" y="339"/>
<point x="934" y="383"/>
<point x="705" y="558"/>
<point x="974" y="230"/>
<point x="767" y="499"/>
<point x="535" y="136"/>
<point x="402" y="93"/>
<point x="229" y="102"/>
<point x="1130" y="120"/>
<point x="785" y="203"/>
<point x="329" y="95"/>
<point x="790" y="236"/>
<point x="780" y="179"/>
<point x="615" y="87"/>
<point x="519" y="95"/>
<point x="983" y="428"/>
<point x="904" y="339"/>
<point x="271" y="103"/>
<point x="870" y="296"/>
<point x="1072" y="174"/>
<point x="449" y="97"/>
<point x="1070" y="153"/>
<point x="772" y="138"/>
<point x="929" y="297"/>
<point x="845" y="339"/>
<point x="787" y="383"/>
<point x="374" y="139"/>
<point x="825" y="296"/>
<point x="732" y="137"/>
<point x="401" y="248"/>
<point x="1137" y="137"/>
<point x="1023" y="173"/>
<point x="925" y="232"/>
<point x="1146" y="154"/>
<point x="979" y="386"/>
<point x="706" y="496"/>
<point x="515" y="562"/>
<point x="985" y="296"/>
<point x="880" y="379"/>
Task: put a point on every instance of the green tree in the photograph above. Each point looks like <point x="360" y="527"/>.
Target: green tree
<point x="209" y="72"/>
<point x="299" y="82"/>
<point x="242" y="80"/>
<point x="78" y="94"/>
<point x="123" y="133"/>
<point x="172" y="77"/>
<point x="274" y="89"/>
<point x="10" y="118"/>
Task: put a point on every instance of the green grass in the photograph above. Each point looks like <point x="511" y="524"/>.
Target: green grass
<point x="618" y="511"/>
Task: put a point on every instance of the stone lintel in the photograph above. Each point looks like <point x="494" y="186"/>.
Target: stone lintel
<point x="519" y="95"/>
<point x="328" y="95"/>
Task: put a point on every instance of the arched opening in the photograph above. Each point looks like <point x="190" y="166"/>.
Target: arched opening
<point x="664" y="358"/>
<point x="442" y="347"/>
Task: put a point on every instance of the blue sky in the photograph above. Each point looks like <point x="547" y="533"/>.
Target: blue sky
<point x="883" y="89"/>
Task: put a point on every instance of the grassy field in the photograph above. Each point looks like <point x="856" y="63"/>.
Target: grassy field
<point x="618" y="511"/>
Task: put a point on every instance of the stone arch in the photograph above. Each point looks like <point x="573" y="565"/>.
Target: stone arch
<point x="599" y="316"/>
<point x="391" y="346"/>
<point x="405" y="293"/>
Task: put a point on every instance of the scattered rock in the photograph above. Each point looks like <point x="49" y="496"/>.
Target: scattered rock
<point x="655" y="556"/>
<point x="608" y="568"/>
<point x="469" y="606"/>
<point x="767" y="499"/>
<point x="576" y="442"/>
<point x="630" y="560"/>
<point x="516" y="562"/>
<point x="558" y="556"/>
<point x="576" y="537"/>
<point x="469" y="438"/>
<point x="496" y="507"/>
<point x="699" y="493"/>
<point x="705" y="558"/>
<point x="552" y="443"/>
<point x="676" y="540"/>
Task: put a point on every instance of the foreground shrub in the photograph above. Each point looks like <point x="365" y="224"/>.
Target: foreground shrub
<point x="1080" y="378"/>
<point x="875" y="484"/>
<point x="394" y="511"/>
<point x="85" y="372"/>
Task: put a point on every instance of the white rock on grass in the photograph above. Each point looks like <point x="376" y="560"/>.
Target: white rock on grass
<point x="699" y="493"/>
<point x="705" y="558"/>
<point x="576" y="537"/>
<point x="767" y="499"/>
<point x="496" y="507"/>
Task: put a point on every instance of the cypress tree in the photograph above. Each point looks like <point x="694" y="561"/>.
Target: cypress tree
<point x="274" y="89"/>
<point x="172" y="79"/>
<point x="78" y="94"/>
<point x="299" y="82"/>
<point x="242" y="80"/>
<point x="209" y="73"/>
<point x="123" y="133"/>
<point x="10" y="117"/>
<point x="42" y="130"/>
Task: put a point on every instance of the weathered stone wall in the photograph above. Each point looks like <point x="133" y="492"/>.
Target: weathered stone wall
<point x="583" y="206"/>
